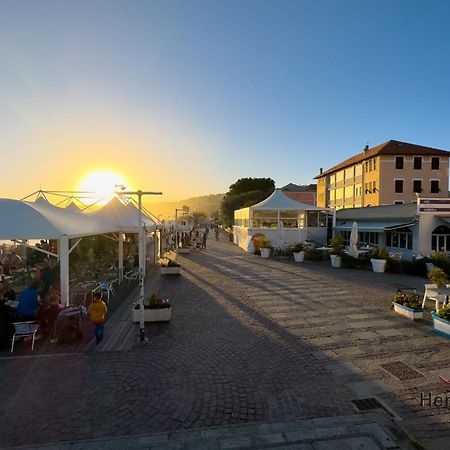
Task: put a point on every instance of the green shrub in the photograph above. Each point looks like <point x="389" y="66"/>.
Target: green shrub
<point x="265" y="243"/>
<point x="349" y="261"/>
<point x="379" y="253"/>
<point x="298" y="247"/>
<point x="444" y="312"/>
<point x="438" y="277"/>
<point x="336" y="244"/>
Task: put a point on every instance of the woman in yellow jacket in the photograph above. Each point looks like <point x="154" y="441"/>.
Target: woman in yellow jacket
<point x="97" y="312"/>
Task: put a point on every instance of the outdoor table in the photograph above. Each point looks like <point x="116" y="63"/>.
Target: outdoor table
<point x="82" y="290"/>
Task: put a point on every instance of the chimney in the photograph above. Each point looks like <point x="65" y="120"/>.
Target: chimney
<point x="366" y="148"/>
<point x="321" y="171"/>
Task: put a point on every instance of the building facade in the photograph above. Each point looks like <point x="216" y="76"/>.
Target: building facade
<point x="302" y="193"/>
<point x="391" y="173"/>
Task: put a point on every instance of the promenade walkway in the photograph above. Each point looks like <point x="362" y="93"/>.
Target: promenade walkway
<point x="251" y="342"/>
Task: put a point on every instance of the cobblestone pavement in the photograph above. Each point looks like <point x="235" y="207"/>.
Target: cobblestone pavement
<point x="250" y="340"/>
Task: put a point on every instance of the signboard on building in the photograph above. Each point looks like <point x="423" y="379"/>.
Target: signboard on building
<point x="433" y="205"/>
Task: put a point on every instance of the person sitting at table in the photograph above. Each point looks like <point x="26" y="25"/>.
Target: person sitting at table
<point x="6" y="327"/>
<point x="7" y="264"/>
<point x="16" y="261"/>
<point x="7" y="292"/>
<point x="29" y="302"/>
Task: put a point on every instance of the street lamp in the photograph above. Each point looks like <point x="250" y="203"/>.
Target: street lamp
<point x="141" y="258"/>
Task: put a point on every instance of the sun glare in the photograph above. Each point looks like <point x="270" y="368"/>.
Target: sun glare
<point x="103" y="183"/>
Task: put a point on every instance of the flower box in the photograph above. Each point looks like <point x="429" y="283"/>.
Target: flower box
<point x="440" y="325"/>
<point x="152" y="315"/>
<point x="174" y="270"/>
<point x="409" y="313"/>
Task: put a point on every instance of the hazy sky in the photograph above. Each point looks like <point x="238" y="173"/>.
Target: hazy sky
<point x="188" y="96"/>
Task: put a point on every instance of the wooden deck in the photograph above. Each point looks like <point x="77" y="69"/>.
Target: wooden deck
<point x="120" y="332"/>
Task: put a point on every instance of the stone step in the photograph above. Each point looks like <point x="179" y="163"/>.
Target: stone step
<point x="368" y="431"/>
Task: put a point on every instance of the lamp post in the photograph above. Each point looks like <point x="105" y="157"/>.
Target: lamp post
<point x="141" y="258"/>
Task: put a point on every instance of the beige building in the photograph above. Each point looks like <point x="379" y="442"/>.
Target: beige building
<point x="391" y="173"/>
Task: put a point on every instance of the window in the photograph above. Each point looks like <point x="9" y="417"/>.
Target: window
<point x="417" y="162"/>
<point x="398" y="186"/>
<point x="435" y="187"/>
<point x="399" y="239"/>
<point x="440" y="239"/>
<point x="399" y="162"/>
<point x="398" y="202"/>
<point x="435" y="162"/>
<point x="374" y="164"/>
<point x="374" y="187"/>
<point x="417" y="186"/>
<point x="370" y="165"/>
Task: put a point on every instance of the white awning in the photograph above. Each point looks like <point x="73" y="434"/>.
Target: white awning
<point x="125" y="218"/>
<point x="374" y="226"/>
<point x="41" y="220"/>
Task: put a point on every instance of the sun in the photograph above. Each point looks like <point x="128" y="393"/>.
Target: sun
<point x="103" y="183"/>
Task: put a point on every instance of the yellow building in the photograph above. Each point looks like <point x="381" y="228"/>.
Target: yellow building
<point x="391" y="173"/>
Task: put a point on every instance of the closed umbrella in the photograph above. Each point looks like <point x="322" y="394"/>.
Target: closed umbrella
<point x="353" y="250"/>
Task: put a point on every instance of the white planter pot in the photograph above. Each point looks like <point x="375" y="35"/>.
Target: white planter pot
<point x="265" y="252"/>
<point x="336" y="261"/>
<point x="441" y="326"/>
<point x="430" y="266"/>
<point x="378" y="265"/>
<point x="183" y="251"/>
<point x="407" y="312"/>
<point x="299" y="257"/>
<point x="171" y="270"/>
<point x="152" y="315"/>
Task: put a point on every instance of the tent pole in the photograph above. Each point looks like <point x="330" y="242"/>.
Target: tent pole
<point x="120" y="257"/>
<point x="141" y="271"/>
<point x="64" y="269"/>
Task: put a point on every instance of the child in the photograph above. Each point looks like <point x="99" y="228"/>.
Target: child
<point x="97" y="311"/>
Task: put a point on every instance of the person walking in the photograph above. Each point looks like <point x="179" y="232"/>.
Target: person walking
<point x="204" y="240"/>
<point x="97" y="312"/>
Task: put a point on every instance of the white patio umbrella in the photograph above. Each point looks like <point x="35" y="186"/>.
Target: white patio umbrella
<point x="281" y="235"/>
<point x="353" y="250"/>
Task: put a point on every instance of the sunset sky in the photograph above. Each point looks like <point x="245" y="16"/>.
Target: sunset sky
<point x="187" y="96"/>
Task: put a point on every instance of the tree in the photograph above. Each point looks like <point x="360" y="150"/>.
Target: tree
<point x="244" y="192"/>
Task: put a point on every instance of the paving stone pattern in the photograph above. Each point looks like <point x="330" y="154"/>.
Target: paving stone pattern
<point x="250" y="341"/>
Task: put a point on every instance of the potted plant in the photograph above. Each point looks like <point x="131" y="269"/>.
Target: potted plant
<point x="298" y="250"/>
<point x="156" y="309"/>
<point x="378" y="258"/>
<point x="407" y="304"/>
<point x="441" y="320"/>
<point x="169" y="266"/>
<point x="266" y="248"/>
<point x="336" y="252"/>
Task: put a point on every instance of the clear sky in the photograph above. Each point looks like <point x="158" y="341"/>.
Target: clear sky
<point x="187" y="96"/>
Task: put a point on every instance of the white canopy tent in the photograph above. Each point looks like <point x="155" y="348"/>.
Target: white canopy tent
<point x="282" y="220"/>
<point x="21" y="220"/>
<point x="125" y="218"/>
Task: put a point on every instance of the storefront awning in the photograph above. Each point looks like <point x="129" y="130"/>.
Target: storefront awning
<point x="377" y="227"/>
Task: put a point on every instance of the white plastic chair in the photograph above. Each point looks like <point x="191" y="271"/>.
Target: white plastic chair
<point x="132" y="275"/>
<point x="432" y="293"/>
<point x="24" y="329"/>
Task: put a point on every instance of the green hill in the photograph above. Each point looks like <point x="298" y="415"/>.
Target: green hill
<point x="205" y="203"/>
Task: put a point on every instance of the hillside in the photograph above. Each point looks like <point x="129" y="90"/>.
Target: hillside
<point x="205" y="203"/>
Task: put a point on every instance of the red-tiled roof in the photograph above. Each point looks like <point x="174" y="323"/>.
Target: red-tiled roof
<point x="387" y="148"/>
